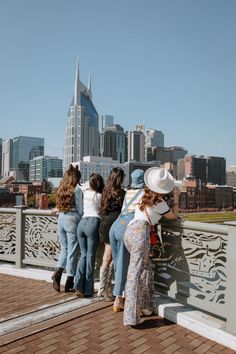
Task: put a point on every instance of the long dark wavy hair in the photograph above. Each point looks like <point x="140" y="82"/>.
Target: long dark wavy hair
<point x="65" y="192"/>
<point x="149" y="199"/>
<point x="112" y="189"/>
<point x="96" y="182"/>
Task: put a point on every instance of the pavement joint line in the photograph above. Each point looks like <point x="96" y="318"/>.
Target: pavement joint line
<point x="42" y="307"/>
<point x="52" y="322"/>
<point x="37" y="316"/>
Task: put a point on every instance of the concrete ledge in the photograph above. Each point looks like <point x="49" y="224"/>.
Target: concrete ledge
<point x="197" y="321"/>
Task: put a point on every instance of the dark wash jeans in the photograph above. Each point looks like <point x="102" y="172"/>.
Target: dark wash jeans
<point x="88" y="238"/>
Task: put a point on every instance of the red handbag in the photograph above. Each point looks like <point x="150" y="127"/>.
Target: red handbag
<point x="153" y="234"/>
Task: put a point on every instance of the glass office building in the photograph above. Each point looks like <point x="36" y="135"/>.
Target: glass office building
<point x="82" y="133"/>
<point x="25" y="148"/>
<point x="44" y="167"/>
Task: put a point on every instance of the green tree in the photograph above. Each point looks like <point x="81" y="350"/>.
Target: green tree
<point x="52" y="200"/>
<point x="31" y="201"/>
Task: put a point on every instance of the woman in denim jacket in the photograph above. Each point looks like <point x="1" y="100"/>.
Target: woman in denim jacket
<point x="69" y="203"/>
<point x="120" y="253"/>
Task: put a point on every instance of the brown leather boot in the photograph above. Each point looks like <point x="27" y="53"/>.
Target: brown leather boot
<point x="69" y="285"/>
<point x="56" y="279"/>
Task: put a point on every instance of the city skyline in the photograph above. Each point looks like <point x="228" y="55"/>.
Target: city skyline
<point x="168" y="65"/>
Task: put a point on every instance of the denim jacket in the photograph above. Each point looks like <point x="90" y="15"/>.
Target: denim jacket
<point x="77" y="204"/>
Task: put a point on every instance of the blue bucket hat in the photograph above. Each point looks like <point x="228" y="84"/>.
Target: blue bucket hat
<point x="137" y="179"/>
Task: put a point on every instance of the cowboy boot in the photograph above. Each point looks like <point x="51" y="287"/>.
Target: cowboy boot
<point x="69" y="285"/>
<point x="103" y="290"/>
<point x="56" y="279"/>
<point x="109" y="280"/>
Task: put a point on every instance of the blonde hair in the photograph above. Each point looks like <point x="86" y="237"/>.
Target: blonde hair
<point x="65" y="192"/>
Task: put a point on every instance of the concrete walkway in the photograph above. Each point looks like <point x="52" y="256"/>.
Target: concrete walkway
<point x="36" y="319"/>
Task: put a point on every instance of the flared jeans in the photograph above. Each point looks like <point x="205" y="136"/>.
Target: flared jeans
<point x="139" y="293"/>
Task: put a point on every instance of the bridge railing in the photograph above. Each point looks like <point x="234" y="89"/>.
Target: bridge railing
<point x="195" y="265"/>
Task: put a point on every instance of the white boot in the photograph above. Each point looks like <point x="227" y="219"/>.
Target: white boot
<point x="104" y="289"/>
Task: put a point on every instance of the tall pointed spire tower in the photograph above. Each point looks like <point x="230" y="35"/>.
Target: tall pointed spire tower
<point x="77" y="86"/>
<point x="82" y="134"/>
<point x="90" y="86"/>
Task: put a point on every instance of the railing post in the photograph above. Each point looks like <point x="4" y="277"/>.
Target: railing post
<point x="231" y="278"/>
<point x="20" y="236"/>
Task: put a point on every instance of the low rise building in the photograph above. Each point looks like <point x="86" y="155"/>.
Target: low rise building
<point x="100" y="165"/>
<point x="44" y="167"/>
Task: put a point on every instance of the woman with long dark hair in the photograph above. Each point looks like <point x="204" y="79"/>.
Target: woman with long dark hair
<point x="111" y="204"/>
<point x="139" y="294"/>
<point x="69" y="203"/>
<point x="88" y="237"/>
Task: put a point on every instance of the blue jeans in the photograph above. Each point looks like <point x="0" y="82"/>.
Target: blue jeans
<point x="67" y="229"/>
<point x="120" y="253"/>
<point x="88" y="240"/>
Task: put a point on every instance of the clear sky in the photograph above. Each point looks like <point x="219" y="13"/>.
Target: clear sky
<point x="167" y="64"/>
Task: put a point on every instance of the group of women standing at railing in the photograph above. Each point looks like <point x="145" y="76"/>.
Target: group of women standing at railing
<point x="121" y="220"/>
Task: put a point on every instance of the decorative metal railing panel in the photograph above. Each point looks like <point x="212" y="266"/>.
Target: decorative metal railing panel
<point x="41" y="240"/>
<point x="191" y="267"/>
<point x="7" y="236"/>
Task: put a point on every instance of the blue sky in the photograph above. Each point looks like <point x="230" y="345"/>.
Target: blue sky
<point x="167" y="64"/>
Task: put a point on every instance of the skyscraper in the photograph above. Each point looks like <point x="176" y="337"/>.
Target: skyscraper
<point x="153" y="138"/>
<point x="210" y="169"/>
<point x="193" y="166"/>
<point x="25" y="148"/>
<point x="113" y="143"/>
<point x="216" y="170"/>
<point x="82" y="135"/>
<point x="0" y="157"/>
<point x="6" y="157"/>
<point x="44" y="167"/>
<point x="136" y="145"/>
<point x="105" y="121"/>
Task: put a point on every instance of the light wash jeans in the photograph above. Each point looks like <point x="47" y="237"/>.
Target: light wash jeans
<point x="120" y="253"/>
<point x="88" y="238"/>
<point x="67" y="229"/>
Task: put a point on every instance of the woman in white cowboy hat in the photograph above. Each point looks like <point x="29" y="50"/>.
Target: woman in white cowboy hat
<point x="139" y="287"/>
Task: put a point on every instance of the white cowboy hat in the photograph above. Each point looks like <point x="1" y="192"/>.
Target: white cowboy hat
<point x="159" y="180"/>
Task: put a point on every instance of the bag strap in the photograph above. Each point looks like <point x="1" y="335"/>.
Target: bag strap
<point x="153" y="236"/>
<point x="152" y="226"/>
<point x="148" y="217"/>
<point x="131" y="200"/>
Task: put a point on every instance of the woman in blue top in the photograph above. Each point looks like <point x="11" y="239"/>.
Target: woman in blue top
<point x="120" y="253"/>
<point x="69" y="203"/>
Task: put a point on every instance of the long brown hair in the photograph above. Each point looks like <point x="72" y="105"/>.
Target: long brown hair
<point x="149" y="199"/>
<point x="65" y="192"/>
<point x="112" y="189"/>
<point x="96" y="182"/>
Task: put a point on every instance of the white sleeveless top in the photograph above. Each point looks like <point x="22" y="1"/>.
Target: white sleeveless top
<point x="92" y="202"/>
<point x="155" y="212"/>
